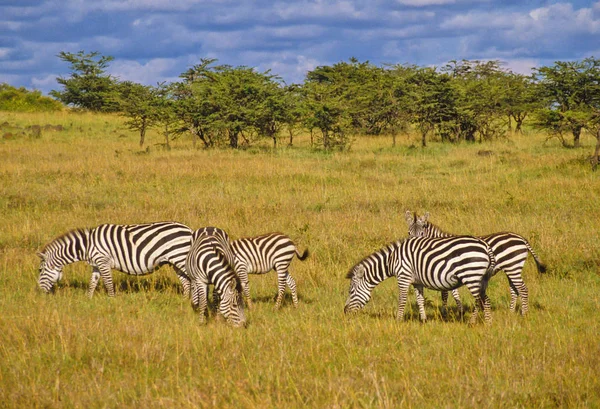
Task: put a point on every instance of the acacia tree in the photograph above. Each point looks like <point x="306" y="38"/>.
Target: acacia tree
<point x="433" y="102"/>
<point x="192" y="103"/>
<point x="480" y="91"/>
<point x="520" y="98"/>
<point x="571" y="91"/>
<point x="88" y="86"/>
<point x="138" y="104"/>
<point x="327" y="105"/>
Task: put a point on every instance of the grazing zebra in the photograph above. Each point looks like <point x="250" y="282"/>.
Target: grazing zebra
<point x="510" y="250"/>
<point x="261" y="254"/>
<point x="135" y="249"/>
<point x="441" y="264"/>
<point x="208" y="263"/>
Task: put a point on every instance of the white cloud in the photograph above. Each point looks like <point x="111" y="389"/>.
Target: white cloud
<point x="149" y="73"/>
<point x="45" y="82"/>
<point x="424" y="3"/>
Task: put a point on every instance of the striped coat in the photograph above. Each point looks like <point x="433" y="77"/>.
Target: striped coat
<point x="136" y="249"/>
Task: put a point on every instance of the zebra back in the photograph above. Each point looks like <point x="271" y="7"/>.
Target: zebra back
<point x="262" y="253"/>
<point x="139" y="248"/>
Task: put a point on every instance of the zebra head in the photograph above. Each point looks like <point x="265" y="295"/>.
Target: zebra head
<point x="231" y="305"/>
<point x="417" y="225"/>
<point x="359" y="293"/>
<point x="50" y="271"/>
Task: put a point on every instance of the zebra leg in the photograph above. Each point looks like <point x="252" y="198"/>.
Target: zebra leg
<point x="185" y="283"/>
<point x="487" y="309"/>
<point x="242" y="273"/>
<point x="199" y="299"/>
<point x="518" y="288"/>
<point x="291" y="283"/>
<point x="474" y="289"/>
<point x="473" y="319"/>
<point x="444" y="303"/>
<point x="281" y="283"/>
<point x="456" y="296"/>
<point x="402" y="297"/>
<point x="93" y="281"/>
<point x="421" y="302"/>
<point x="514" y="294"/>
<point x="106" y="275"/>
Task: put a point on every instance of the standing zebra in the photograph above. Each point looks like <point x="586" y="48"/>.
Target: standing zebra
<point x="510" y="250"/>
<point x="208" y="263"/>
<point x="441" y="264"/>
<point x="261" y="254"/>
<point x="135" y="249"/>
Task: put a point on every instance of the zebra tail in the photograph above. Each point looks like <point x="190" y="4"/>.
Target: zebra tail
<point x="489" y="273"/>
<point x="302" y="256"/>
<point x="541" y="267"/>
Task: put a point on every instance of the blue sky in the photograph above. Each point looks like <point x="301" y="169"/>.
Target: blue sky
<point x="156" y="40"/>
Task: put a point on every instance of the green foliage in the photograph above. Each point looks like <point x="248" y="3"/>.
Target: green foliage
<point x="230" y="106"/>
<point x="571" y="96"/>
<point x="23" y="100"/>
<point x="88" y="87"/>
<point x="138" y="103"/>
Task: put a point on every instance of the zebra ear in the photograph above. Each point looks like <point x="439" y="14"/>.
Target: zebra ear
<point x="410" y="217"/>
<point x="41" y="255"/>
<point x="360" y="272"/>
<point x="426" y="217"/>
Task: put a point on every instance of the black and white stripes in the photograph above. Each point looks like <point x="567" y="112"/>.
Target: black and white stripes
<point x="261" y="254"/>
<point x="441" y="264"/>
<point x="135" y="249"/>
<point x="510" y="250"/>
<point x="208" y="262"/>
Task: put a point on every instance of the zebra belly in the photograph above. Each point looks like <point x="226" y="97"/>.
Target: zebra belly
<point x="447" y="284"/>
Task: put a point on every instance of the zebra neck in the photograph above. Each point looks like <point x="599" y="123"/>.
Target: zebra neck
<point x="74" y="246"/>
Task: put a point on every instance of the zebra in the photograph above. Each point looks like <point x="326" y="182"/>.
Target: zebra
<point x="136" y="249"/>
<point x="510" y="250"/>
<point x="261" y="254"/>
<point x="434" y="263"/>
<point x="208" y="262"/>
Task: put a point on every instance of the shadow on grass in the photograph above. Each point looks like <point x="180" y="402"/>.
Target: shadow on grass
<point x="129" y="285"/>
<point x="287" y="299"/>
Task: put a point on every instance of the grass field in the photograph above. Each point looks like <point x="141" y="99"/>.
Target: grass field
<point x="144" y="348"/>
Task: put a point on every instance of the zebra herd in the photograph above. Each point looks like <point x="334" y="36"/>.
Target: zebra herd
<point x="427" y="258"/>
<point x="200" y="258"/>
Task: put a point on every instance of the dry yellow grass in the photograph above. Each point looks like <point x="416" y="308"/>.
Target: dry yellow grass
<point x="145" y="348"/>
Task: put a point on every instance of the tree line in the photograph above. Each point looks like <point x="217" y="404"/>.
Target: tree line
<point x="222" y="105"/>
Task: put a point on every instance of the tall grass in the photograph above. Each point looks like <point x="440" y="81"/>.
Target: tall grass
<point x="145" y="347"/>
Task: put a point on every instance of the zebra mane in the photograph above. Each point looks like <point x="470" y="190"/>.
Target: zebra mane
<point x="68" y="236"/>
<point x="388" y="248"/>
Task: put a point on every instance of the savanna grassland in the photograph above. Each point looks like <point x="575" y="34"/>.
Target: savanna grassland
<point x="144" y="348"/>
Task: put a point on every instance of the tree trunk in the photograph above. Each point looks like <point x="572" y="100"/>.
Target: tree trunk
<point x="576" y="135"/>
<point x="393" y="139"/>
<point x="142" y="135"/>
<point x="510" y="123"/>
<point x="167" y="137"/>
<point x="423" y="139"/>
<point x="291" y="143"/>
<point x="233" y="139"/>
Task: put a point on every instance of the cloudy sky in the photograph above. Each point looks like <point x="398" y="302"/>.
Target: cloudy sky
<point x="156" y="40"/>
